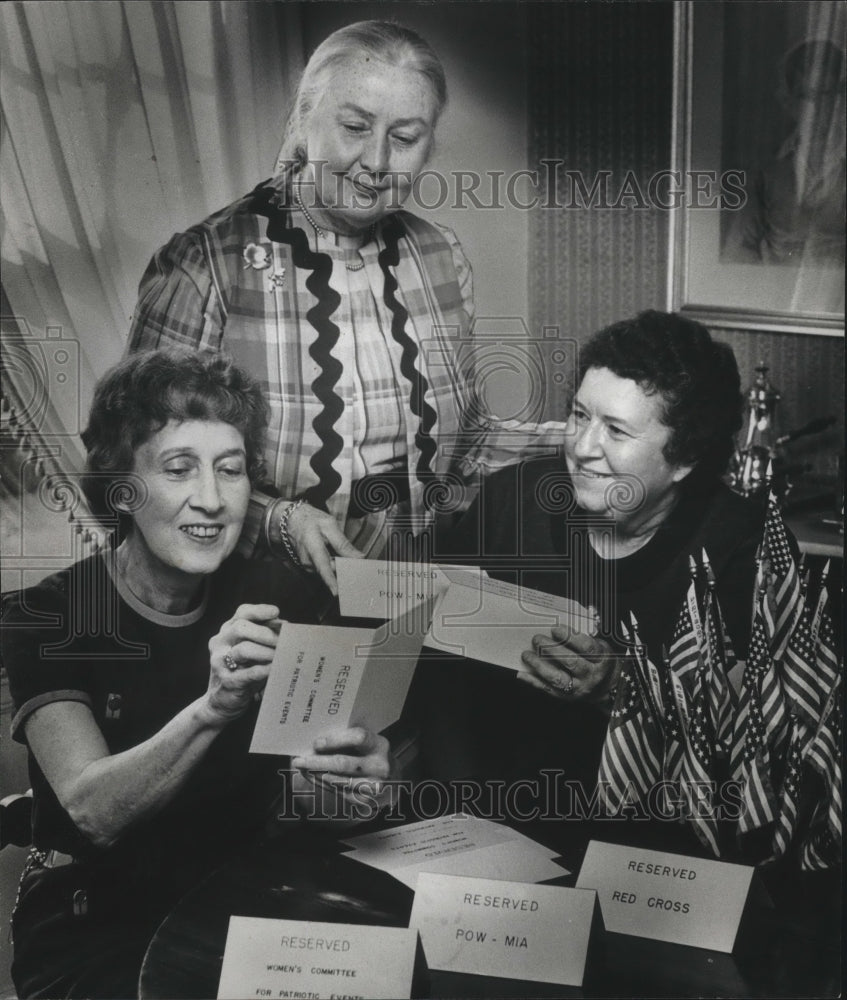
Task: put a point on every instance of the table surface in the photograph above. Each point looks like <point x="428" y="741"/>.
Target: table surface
<point x="788" y="949"/>
<point x="817" y="533"/>
<point x="815" y="521"/>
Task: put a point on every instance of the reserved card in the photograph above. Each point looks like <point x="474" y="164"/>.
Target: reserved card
<point x="377" y="588"/>
<point x="324" y="679"/>
<point x="297" y="958"/>
<point x="493" y="621"/>
<point x="508" y="929"/>
<point x="475" y="617"/>
<point x="669" y="897"/>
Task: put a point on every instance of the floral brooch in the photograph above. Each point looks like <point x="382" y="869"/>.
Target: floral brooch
<point x="260" y="258"/>
<point x="256" y="256"/>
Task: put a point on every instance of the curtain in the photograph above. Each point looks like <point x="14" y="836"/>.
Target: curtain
<point x="122" y="122"/>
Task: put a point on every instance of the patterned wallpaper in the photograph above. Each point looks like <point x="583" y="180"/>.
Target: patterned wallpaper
<point x="599" y="100"/>
<point x="599" y="97"/>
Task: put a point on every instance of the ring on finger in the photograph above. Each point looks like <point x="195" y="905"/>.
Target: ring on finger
<point x="566" y="689"/>
<point x="230" y="662"/>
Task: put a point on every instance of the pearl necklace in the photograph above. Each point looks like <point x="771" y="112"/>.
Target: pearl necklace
<point x="322" y="232"/>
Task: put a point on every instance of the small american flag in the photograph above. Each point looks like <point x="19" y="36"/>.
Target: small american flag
<point x="789" y="799"/>
<point x="631" y="760"/>
<point x="751" y="754"/>
<point x="779" y="581"/>
<point x="827" y="666"/>
<point x="674" y="736"/>
<point x="682" y="660"/>
<point x="800" y="674"/>
<point x="720" y="659"/>
<point x="690" y="683"/>
<point x="823" y="845"/>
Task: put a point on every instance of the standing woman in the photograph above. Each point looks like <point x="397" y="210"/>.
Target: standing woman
<point x="345" y="308"/>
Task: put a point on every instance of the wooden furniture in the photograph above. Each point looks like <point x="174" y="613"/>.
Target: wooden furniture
<point x="789" y="949"/>
<point x="817" y="533"/>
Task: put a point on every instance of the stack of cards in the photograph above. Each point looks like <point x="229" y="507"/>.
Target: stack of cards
<point x="455" y="845"/>
<point x="474" y="617"/>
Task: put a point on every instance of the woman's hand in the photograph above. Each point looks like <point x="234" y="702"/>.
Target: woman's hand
<point x="572" y="666"/>
<point x="316" y="538"/>
<point x="240" y="659"/>
<point x="352" y="765"/>
<point x="355" y="753"/>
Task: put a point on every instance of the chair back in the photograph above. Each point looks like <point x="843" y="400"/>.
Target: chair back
<point x="16" y="819"/>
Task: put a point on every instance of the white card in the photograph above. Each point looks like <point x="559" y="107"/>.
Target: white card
<point x="510" y="860"/>
<point x="377" y="588"/>
<point x="297" y="958"/>
<point x="458" y="845"/>
<point x="324" y="679"/>
<point x="493" y="621"/>
<point x="669" y="897"/>
<point x="507" y="929"/>
<point x="426" y="841"/>
<point x="475" y="616"/>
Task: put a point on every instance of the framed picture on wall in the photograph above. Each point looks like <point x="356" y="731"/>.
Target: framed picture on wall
<point x="758" y="203"/>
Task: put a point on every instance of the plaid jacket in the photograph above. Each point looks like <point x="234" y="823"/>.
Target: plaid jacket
<point x="246" y="281"/>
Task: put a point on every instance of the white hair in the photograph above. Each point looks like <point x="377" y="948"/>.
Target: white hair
<point x="385" y="40"/>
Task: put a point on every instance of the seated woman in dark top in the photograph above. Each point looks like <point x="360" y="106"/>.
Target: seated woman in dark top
<point x="650" y="432"/>
<point x="135" y="675"/>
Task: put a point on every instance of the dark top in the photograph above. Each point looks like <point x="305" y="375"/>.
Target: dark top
<point x="80" y="635"/>
<point x="480" y="723"/>
<point x="81" y="929"/>
<point x="525" y="527"/>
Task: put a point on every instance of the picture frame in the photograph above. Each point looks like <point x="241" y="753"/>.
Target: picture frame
<point x="757" y="234"/>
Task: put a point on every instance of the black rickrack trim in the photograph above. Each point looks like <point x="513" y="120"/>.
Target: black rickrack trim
<point x="265" y="203"/>
<point x="427" y="416"/>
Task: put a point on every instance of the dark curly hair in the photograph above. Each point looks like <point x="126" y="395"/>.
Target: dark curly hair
<point x="141" y="394"/>
<point x="696" y="376"/>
